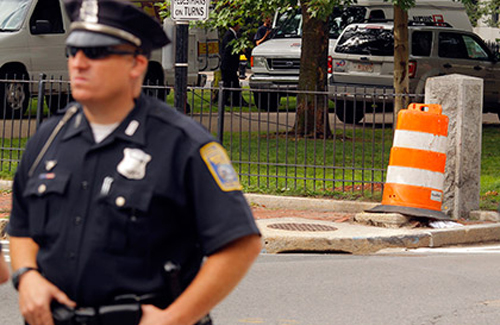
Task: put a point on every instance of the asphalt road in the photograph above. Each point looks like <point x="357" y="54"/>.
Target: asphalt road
<point x="455" y="286"/>
<point x="424" y="288"/>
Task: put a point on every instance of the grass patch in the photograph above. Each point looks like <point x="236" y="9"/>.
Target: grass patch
<point x="200" y="100"/>
<point x="206" y="100"/>
<point x="490" y="168"/>
<point x="345" y="166"/>
<point x="349" y="166"/>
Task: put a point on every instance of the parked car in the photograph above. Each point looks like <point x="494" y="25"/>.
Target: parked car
<point x="276" y="62"/>
<point x="363" y="65"/>
<point x="32" y="42"/>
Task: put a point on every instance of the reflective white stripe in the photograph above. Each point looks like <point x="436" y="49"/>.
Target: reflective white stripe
<point x="420" y="140"/>
<point x="415" y="177"/>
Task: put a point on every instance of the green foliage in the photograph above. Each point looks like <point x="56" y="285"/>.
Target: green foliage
<point x="404" y="4"/>
<point x="484" y="10"/>
<point x="164" y="7"/>
<point x="321" y="9"/>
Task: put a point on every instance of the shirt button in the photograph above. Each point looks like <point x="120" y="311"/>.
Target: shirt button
<point x="120" y="201"/>
<point x="42" y="188"/>
<point x="78" y="220"/>
<point x="71" y="255"/>
<point x="85" y="185"/>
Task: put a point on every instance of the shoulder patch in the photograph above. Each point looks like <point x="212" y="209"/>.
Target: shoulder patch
<point x="220" y="167"/>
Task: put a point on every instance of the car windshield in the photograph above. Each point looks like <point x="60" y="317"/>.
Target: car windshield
<point x="12" y="14"/>
<point x="289" y="24"/>
<point x="366" y="40"/>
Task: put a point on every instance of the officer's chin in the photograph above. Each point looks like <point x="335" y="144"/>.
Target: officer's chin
<point x="81" y="95"/>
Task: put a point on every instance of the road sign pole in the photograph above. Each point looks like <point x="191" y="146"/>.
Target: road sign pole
<point x="182" y="13"/>
<point x="181" y="64"/>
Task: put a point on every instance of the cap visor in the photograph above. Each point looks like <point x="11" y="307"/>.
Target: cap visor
<point x="83" y="38"/>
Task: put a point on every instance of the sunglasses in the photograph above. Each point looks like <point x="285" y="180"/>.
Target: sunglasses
<point x="98" y="52"/>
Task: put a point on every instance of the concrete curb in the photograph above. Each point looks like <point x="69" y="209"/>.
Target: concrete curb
<point x="348" y="238"/>
<point x="360" y="239"/>
<point x="5" y="185"/>
<point x="473" y="234"/>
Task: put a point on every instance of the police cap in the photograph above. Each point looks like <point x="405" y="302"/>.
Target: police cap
<point x="112" y="22"/>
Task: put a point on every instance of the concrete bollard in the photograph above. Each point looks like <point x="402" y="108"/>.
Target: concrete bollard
<point x="461" y="98"/>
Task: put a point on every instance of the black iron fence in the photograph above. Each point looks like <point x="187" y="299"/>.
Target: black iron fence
<point x="336" y="145"/>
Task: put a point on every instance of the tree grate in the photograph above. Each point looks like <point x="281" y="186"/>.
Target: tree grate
<point x="301" y="227"/>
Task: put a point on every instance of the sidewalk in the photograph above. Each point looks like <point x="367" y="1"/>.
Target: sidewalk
<point x="296" y="224"/>
<point x="318" y="225"/>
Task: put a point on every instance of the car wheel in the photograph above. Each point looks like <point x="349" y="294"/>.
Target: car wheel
<point x="349" y="112"/>
<point x="14" y="96"/>
<point x="267" y="101"/>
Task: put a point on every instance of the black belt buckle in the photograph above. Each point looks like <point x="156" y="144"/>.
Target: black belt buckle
<point x="61" y="314"/>
<point x="86" y="316"/>
<point x="124" y="314"/>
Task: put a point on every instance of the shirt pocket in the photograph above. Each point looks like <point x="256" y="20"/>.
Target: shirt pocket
<point x="45" y="194"/>
<point x="126" y="219"/>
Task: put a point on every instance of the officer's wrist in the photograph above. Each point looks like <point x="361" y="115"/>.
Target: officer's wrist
<point x="20" y="273"/>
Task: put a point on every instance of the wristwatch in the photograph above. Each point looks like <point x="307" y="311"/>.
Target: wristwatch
<point x="16" y="276"/>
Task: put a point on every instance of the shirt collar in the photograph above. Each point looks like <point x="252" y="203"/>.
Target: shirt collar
<point x="131" y="129"/>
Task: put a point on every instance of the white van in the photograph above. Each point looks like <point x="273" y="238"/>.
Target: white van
<point x="32" y="42"/>
<point x="276" y="62"/>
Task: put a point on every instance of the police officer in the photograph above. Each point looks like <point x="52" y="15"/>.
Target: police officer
<point x="122" y="186"/>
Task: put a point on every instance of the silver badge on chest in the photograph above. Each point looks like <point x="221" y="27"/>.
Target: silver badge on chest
<point x="133" y="164"/>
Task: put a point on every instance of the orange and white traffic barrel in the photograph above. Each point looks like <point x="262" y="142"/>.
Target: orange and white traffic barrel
<point x="415" y="175"/>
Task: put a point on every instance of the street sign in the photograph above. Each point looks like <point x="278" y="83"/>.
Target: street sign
<point x="190" y="9"/>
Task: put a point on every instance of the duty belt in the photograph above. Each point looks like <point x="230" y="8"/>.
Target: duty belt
<point x="120" y="314"/>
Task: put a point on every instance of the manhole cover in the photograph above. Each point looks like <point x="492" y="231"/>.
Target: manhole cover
<point x="301" y="227"/>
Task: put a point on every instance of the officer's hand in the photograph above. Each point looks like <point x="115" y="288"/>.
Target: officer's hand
<point x="35" y="295"/>
<point x="152" y="315"/>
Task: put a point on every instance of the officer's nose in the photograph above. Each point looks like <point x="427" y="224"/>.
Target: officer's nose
<point x="79" y="60"/>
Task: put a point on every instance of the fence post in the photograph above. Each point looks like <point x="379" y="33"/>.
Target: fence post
<point x="39" y="107"/>
<point x="221" y="106"/>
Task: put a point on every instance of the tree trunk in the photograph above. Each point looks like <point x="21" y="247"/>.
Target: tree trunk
<point x="312" y="109"/>
<point x="401" y="52"/>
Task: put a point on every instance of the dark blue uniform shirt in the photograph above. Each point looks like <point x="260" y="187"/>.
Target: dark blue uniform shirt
<point x="108" y="215"/>
<point x="261" y="32"/>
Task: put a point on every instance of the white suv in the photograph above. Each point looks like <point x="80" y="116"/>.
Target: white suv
<point x="363" y="66"/>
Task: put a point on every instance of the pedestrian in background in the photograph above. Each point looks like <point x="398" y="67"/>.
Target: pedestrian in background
<point x="229" y="68"/>
<point x="124" y="210"/>
<point x="263" y="31"/>
<point x="4" y="268"/>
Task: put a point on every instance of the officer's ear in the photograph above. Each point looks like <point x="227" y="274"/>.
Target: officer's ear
<point x="139" y="67"/>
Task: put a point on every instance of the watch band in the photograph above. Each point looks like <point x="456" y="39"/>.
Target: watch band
<point x="16" y="277"/>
